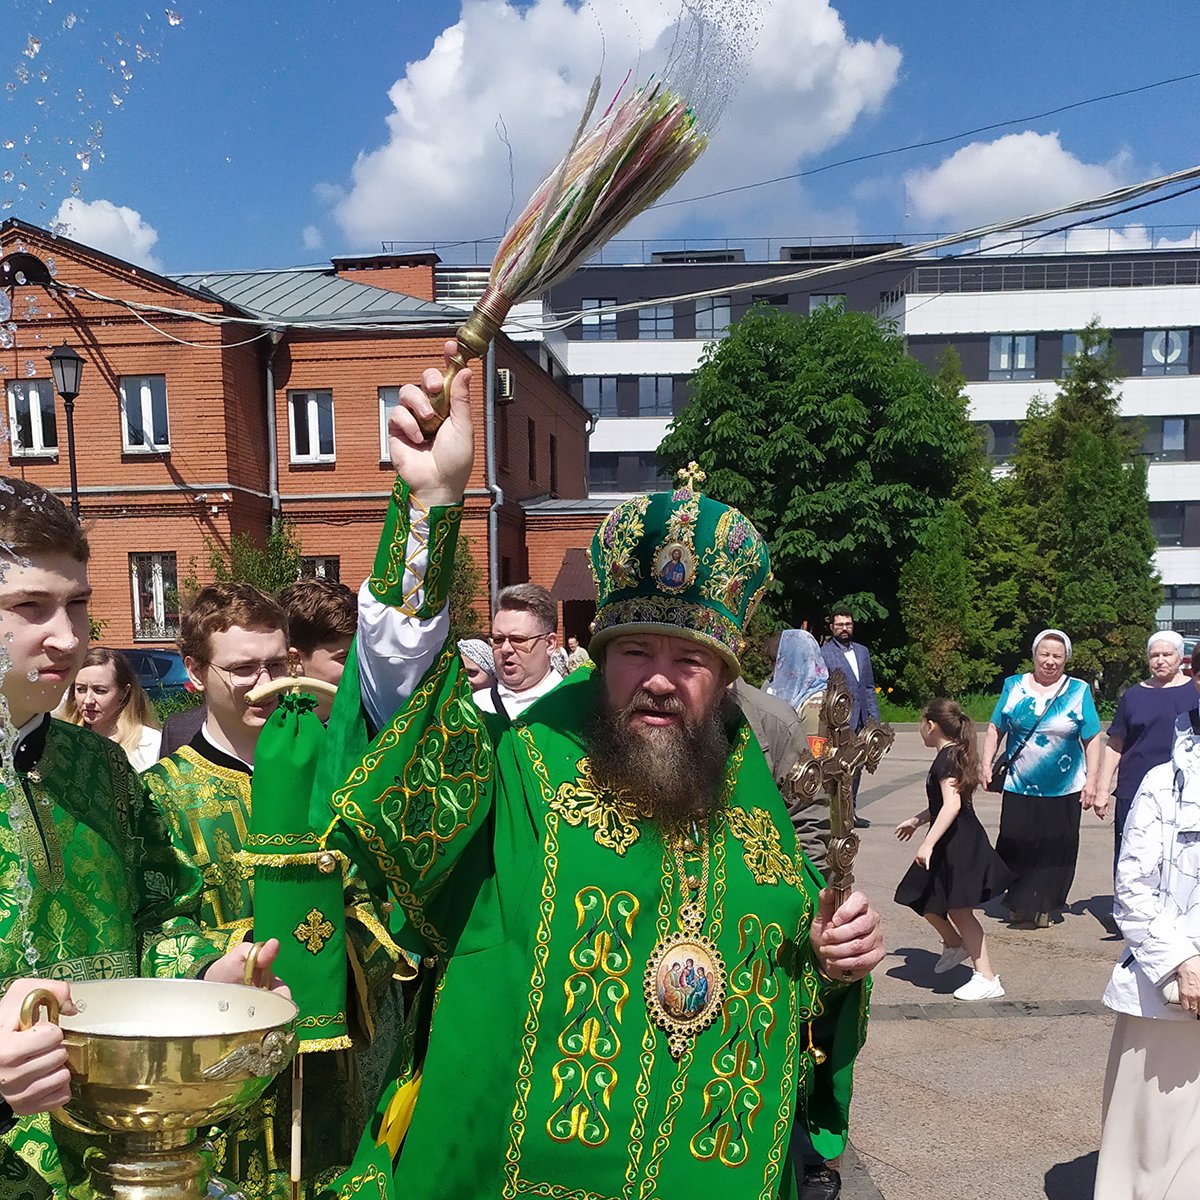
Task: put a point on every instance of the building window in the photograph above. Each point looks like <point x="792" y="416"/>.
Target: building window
<point x="531" y="434"/>
<point x="773" y="299"/>
<point x="310" y="421"/>
<point x="712" y="317"/>
<point x="144" y="414"/>
<point x="1181" y="609"/>
<point x="321" y="566"/>
<point x="828" y="300"/>
<point x="654" y="395"/>
<point x="1000" y="440"/>
<point x="31" y="423"/>
<point x="602" y="472"/>
<point x="1012" y="356"/>
<point x="155" y="590"/>
<point x="599" y="325"/>
<point x="656" y="322"/>
<point x="505" y="570"/>
<point x="1165" y="352"/>
<point x="389" y="397"/>
<point x="1073" y="348"/>
<point x="1166" y="519"/>
<point x="600" y="395"/>
<point x="651" y="475"/>
<point x="1162" y="438"/>
<point x="553" y="465"/>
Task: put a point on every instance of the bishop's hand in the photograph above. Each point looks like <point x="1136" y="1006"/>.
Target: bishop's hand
<point x="436" y="466"/>
<point x="848" y="942"/>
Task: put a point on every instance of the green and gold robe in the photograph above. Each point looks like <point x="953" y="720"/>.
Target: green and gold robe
<point x="208" y="804"/>
<point x="91" y="887"/>
<point x="545" y="1072"/>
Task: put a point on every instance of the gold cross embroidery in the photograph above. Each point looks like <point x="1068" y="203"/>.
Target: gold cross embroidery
<point x="314" y="931"/>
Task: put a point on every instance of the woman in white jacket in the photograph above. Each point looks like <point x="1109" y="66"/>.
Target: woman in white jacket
<point x="1150" y="1147"/>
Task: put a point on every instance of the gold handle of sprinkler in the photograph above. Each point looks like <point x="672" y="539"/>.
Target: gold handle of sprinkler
<point x="250" y="975"/>
<point x="37" y="1000"/>
<point x="473" y="337"/>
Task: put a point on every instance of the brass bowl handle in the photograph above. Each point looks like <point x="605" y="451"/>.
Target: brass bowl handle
<point x="38" y="998"/>
<point x="249" y="978"/>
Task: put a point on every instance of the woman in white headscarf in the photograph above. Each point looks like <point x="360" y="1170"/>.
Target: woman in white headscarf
<point x="800" y="676"/>
<point x="1050" y="727"/>
<point x="1150" y="1148"/>
<point x="1143" y="727"/>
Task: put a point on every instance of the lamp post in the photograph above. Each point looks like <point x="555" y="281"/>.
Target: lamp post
<point x="67" y="367"/>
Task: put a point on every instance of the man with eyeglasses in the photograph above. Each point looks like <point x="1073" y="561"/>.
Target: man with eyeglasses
<point x="853" y="659"/>
<point x="234" y="637"/>
<point x="523" y="639"/>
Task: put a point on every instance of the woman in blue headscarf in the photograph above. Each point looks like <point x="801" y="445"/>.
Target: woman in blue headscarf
<point x="800" y="676"/>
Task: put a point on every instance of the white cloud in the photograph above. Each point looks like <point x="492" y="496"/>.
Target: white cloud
<point x="312" y="237"/>
<point x="1018" y="174"/>
<point x="115" y="229"/>
<point x="444" y="173"/>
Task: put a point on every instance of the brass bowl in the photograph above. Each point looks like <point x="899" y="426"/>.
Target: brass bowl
<point x="163" y="1057"/>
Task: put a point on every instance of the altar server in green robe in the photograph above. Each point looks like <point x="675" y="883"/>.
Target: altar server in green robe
<point x="91" y="884"/>
<point x="630" y="947"/>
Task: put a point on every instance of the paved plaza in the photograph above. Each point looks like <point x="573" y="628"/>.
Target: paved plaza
<point x="975" y="1101"/>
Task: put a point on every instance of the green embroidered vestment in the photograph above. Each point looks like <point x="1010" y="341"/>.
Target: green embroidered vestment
<point x="91" y="887"/>
<point x="209" y="808"/>
<point x="545" y="1074"/>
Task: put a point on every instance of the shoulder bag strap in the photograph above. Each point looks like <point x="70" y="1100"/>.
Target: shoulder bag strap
<point x="1062" y="687"/>
<point x="498" y="702"/>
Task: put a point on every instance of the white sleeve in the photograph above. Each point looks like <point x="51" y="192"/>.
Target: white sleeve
<point x="395" y="649"/>
<point x="1145" y="912"/>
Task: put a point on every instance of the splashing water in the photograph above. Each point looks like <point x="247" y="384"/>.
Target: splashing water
<point x="79" y="71"/>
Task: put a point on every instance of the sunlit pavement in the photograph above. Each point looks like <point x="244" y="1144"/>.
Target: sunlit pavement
<point x="970" y="1101"/>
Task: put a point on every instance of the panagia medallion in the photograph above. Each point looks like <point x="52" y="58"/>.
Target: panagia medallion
<point x="685" y="987"/>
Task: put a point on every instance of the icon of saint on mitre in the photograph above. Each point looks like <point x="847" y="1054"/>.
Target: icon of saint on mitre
<point x="674" y="566"/>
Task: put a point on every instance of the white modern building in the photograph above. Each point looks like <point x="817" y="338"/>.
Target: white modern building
<point x="1011" y="317"/>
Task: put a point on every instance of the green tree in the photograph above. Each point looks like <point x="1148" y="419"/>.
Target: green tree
<point x="268" y="565"/>
<point x="836" y="444"/>
<point x="1086" y="510"/>
<point x="959" y="589"/>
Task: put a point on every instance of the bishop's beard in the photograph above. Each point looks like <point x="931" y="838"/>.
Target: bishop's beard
<point x="673" y="773"/>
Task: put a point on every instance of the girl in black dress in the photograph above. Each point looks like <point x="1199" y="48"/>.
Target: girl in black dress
<point x="955" y="868"/>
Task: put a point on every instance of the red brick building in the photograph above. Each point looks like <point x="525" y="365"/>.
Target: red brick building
<point x="210" y="403"/>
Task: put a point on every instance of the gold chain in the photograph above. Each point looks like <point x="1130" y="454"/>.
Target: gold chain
<point x="693" y="892"/>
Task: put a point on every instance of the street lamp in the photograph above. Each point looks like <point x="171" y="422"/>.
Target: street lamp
<point x="67" y="367"/>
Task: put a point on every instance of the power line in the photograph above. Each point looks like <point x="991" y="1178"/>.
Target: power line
<point x="941" y="141"/>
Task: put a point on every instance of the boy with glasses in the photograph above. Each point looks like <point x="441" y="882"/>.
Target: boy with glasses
<point x="234" y="638"/>
<point x="523" y="639"/>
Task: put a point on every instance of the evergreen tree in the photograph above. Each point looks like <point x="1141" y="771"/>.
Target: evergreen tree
<point x="269" y="565"/>
<point x="1086" y="511"/>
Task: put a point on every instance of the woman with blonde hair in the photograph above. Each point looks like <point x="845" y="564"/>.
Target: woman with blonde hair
<point x="107" y="698"/>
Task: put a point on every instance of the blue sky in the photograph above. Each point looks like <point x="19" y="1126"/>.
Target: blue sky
<point x="252" y="135"/>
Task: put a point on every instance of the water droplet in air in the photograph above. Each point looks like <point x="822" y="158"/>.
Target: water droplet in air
<point x="33" y="675"/>
<point x="115" y="100"/>
<point x="6" y="340"/>
<point x="51" y="267"/>
<point x="173" y="17"/>
<point x="30" y="368"/>
<point x="32" y="46"/>
<point x="7" y="177"/>
<point x="5" y="306"/>
<point x="69" y="21"/>
<point x="9" y="143"/>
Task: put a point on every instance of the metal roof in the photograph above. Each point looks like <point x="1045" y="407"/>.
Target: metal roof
<point x="315" y="294"/>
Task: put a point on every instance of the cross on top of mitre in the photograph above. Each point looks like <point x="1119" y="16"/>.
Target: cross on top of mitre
<point x="691" y="477"/>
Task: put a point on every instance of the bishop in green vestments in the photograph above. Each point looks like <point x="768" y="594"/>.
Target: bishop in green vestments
<point x="631" y="947"/>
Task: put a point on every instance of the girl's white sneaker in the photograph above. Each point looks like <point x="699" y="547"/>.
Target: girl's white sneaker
<point x="979" y="987"/>
<point x="952" y="956"/>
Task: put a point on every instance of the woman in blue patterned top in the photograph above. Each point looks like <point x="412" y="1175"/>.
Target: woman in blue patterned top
<point x="1050" y="727"/>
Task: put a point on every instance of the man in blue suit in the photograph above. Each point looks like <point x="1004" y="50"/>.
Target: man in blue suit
<point x="843" y="653"/>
